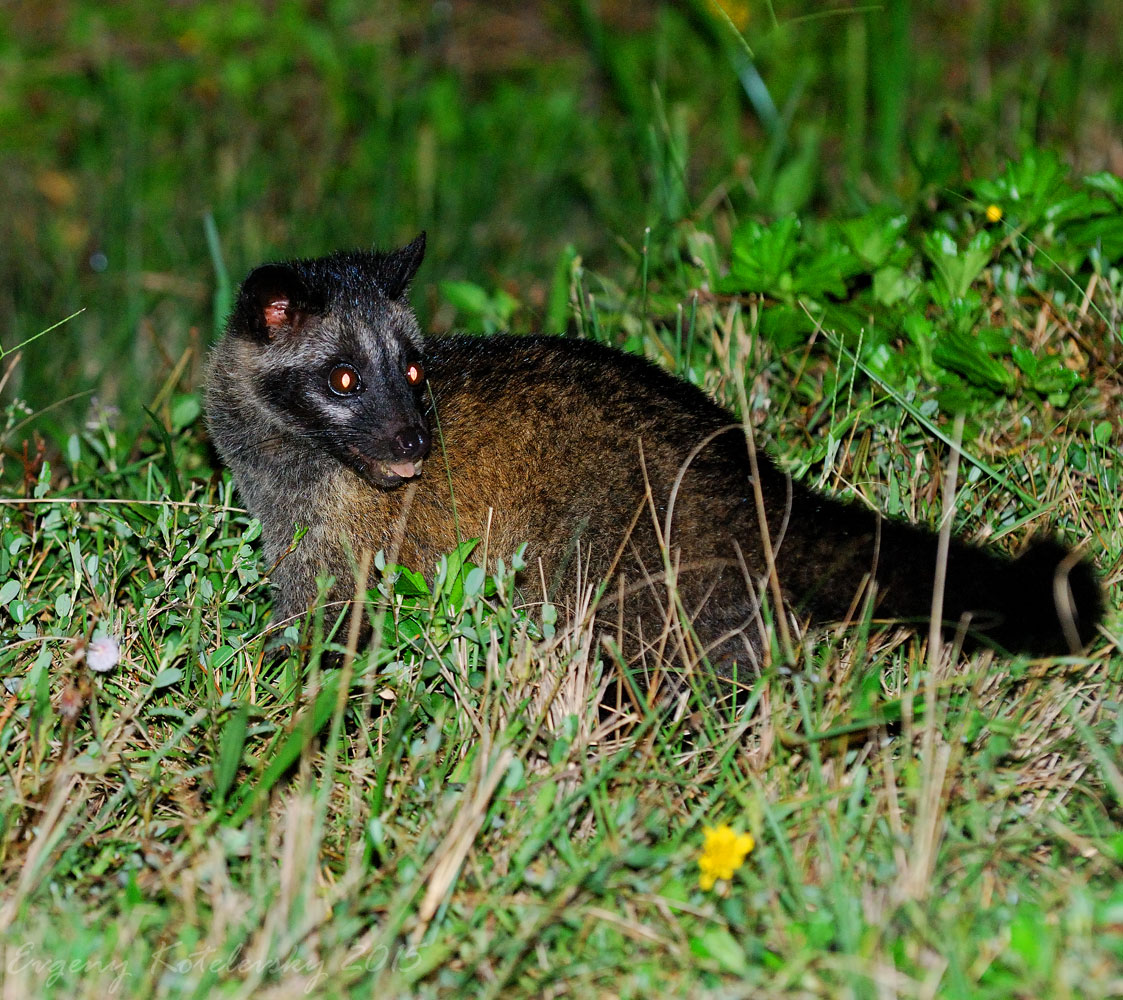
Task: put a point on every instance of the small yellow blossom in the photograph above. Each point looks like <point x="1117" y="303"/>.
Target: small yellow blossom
<point x="994" y="213"/>
<point x="722" y="854"/>
<point x="736" y="10"/>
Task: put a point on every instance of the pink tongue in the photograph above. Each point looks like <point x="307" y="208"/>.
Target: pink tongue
<point x="404" y="469"/>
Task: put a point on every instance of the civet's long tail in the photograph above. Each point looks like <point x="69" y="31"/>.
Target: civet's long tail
<point x="1047" y="601"/>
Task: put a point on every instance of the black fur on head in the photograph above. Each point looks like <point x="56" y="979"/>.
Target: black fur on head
<point x="326" y="352"/>
<point x="276" y="300"/>
<point x="399" y="267"/>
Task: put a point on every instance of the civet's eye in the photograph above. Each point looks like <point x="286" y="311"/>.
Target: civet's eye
<point x="344" y="380"/>
<point x="415" y="374"/>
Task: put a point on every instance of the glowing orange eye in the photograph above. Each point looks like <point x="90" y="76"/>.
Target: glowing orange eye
<point x="415" y="374"/>
<point x="343" y="380"/>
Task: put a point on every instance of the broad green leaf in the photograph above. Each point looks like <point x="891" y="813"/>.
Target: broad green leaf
<point x="873" y="237"/>
<point x="962" y="353"/>
<point x="286" y="754"/>
<point x="230" y="746"/>
<point x="185" y="411"/>
<point x="167" y="677"/>
<point x="958" y="268"/>
<point x="716" y="943"/>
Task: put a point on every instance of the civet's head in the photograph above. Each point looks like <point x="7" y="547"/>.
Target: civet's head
<point x="331" y="351"/>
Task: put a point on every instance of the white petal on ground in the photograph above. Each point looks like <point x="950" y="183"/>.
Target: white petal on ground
<point x="103" y="654"/>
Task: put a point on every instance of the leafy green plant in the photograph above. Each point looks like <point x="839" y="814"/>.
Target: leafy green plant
<point x="948" y="284"/>
<point x="478" y="310"/>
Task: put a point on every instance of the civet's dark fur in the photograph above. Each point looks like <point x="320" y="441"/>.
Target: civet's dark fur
<point x="585" y="453"/>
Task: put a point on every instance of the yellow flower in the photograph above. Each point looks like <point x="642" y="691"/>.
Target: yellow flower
<point x="722" y="854"/>
<point x="736" y="10"/>
<point x="994" y="213"/>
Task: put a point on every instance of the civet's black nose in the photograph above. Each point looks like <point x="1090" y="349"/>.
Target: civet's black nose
<point x="413" y="442"/>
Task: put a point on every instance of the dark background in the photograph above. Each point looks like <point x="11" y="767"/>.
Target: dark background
<point x="509" y="130"/>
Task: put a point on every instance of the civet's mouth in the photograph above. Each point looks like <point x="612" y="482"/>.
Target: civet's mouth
<point x="403" y="470"/>
<point x="384" y="473"/>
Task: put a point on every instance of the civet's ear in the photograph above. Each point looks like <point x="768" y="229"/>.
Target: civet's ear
<point x="273" y="302"/>
<point x="398" y="267"/>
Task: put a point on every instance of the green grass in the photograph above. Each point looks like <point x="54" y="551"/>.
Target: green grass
<point x="448" y="813"/>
